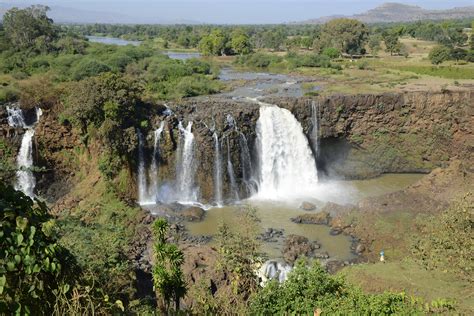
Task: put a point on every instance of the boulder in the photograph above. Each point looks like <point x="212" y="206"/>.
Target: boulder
<point x="296" y="246"/>
<point x="360" y="249"/>
<point x="320" y="218"/>
<point x="193" y="214"/>
<point x="307" y="206"/>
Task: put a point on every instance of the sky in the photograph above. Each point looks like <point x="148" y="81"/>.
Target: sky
<point x="232" y="11"/>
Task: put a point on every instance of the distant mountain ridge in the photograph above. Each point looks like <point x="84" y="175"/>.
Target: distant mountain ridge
<point x="398" y="12"/>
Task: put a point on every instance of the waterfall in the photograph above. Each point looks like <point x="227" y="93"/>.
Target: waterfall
<point x="230" y="171"/>
<point x="185" y="167"/>
<point x="287" y="166"/>
<point x="15" y="117"/>
<point x="217" y="171"/>
<point x="143" y="197"/>
<point x="25" y="179"/>
<point x="153" y="175"/>
<point x="246" y="162"/>
<point x="314" y="136"/>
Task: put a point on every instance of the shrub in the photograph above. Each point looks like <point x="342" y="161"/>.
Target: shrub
<point x="31" y="261"/>
<point x="439" y="54"/>
<point x="88" y="68"/>
<point x="331" y="52"/>
<point x="311" y="288"/>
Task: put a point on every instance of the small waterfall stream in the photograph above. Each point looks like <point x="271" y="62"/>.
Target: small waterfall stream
<point x="25" y="179"/>
<point x="217" y="171"/>
<point x="153" y="174"/>
<point x="287" y="166"/>
<point x="185" y="168"/>
<point x="143" y="197"/>
<point x="314" y="136"/>
<point x="230" y="171"/>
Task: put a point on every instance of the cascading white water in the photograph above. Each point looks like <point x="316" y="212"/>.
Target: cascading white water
<point x="185" y="190"/>
<point x="217" y="171"/>
<point x="143" y="197"/>
<point x="15" y="117"/>
<point x="246" y="163"/>
<point x="314" y="136"/>
<point x="153" y="174"/>
<point x="25" y="179"/>
<point x="230" y="171"/>
<point x="286" y="165"/>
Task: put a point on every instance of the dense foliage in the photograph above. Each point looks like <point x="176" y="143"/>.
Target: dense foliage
<point x="31" y="260"/>
<point x="311" y="289"/>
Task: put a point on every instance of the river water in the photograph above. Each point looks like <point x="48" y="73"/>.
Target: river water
<point x="277" y="214"/>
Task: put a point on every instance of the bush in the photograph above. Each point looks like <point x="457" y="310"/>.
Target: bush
<point x="192" y="86"/>
<point x="308" y="289"/>
<point x="331" y="52"/>
<point x="439" y="54"/>
<point x="88" y="68"/>
<point x="445" y="241"/>
<point x="31" y="261"/>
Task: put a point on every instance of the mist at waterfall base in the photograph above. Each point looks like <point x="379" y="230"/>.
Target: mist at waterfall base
<point x="25" y="179"/>
<point x="284" y="171"/>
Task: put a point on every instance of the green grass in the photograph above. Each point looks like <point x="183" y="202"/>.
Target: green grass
<point x="410" y="277"/>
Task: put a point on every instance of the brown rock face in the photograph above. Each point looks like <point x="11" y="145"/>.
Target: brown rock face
<point x="296" y="246"/>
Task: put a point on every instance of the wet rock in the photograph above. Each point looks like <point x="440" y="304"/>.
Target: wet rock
<point x="335" y="231"/>
<point x="307" y="206"/>
<point x="320" y="218"/>
<point x="360" y="249"/>
<point x="296" y="246"/>
<point x="321" y="255"/>
<point x="271" y="235"/>
<point x="193" y="214"/>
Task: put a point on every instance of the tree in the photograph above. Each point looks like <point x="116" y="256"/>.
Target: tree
<point x="347" y="35"/>
<point x="439" y="54"/>
<point x="374" y="44"/>
<point x="29" y="28"/>
<point x="458" y="53"/>
<point x="392" y="44"/>
<point x="219" y="42"/>
<point x="168" y="278"/>
<point x="206" y="45"/>
<point x="240" y="43"/>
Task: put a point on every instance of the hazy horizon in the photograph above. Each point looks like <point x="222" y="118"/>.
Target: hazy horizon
<point x="226" y="11"/>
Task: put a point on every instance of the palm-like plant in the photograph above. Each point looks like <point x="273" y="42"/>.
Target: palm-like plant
<point x="167" y="275"/>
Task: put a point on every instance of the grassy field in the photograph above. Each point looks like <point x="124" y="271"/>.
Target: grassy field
<point x="413" y="279"/>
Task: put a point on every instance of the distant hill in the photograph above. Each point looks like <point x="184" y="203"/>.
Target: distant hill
<point x="397" y="12"/>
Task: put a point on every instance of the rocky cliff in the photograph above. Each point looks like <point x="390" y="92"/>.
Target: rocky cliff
<point x="360" y="136"/>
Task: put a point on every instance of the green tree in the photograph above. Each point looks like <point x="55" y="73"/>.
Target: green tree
<point x="392" y="44"/>
<point x="347" y="35"/>
<point x="374" y="44"/>
<point x="206" y="45"/>
<point x="29" y="28"/>
<point x="240" y="43"/>
<point x="439" y="54"/>
<point x="31" y="261"/>
<point x="168" y="278"/>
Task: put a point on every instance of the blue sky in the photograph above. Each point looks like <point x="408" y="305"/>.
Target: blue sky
<point x="234" y="11"/>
